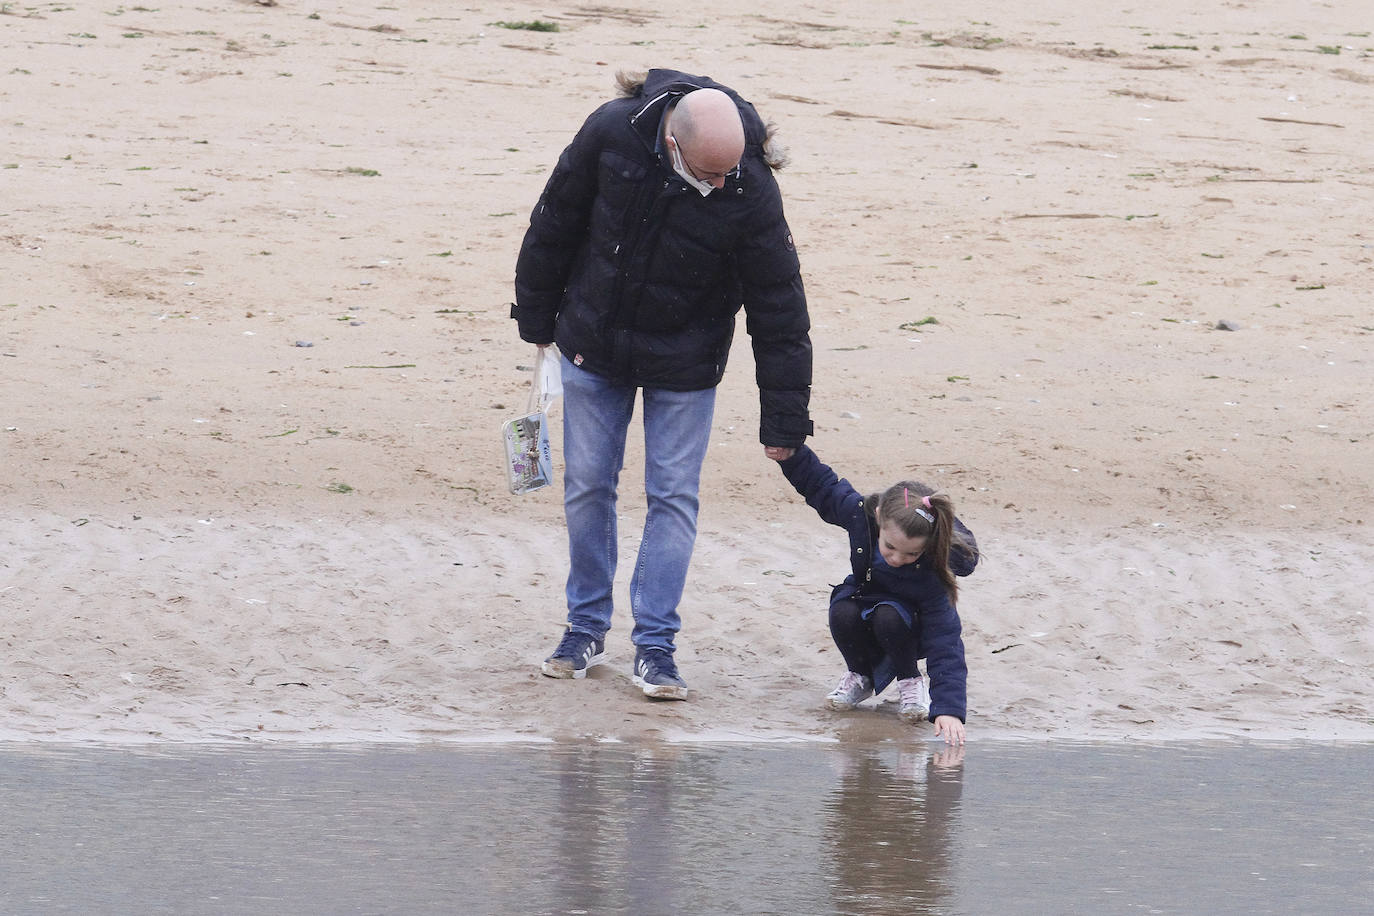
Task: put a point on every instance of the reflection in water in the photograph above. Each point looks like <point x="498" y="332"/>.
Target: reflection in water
<point x="623" y="818"/>
<point x="670" y="829"/>
<point x="891" y="826"/>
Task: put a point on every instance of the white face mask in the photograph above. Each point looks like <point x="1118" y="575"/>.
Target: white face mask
<point x="681" y="168"/>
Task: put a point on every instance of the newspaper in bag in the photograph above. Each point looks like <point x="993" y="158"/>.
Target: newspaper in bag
<point x="529" y="460"/>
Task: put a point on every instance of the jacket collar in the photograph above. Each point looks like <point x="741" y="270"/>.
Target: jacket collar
<point x="661" y="89"/>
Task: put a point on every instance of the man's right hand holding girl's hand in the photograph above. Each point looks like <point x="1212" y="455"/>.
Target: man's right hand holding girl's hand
<point x="778" y="452"/>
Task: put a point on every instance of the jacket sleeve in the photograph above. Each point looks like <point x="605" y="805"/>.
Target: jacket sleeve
<point x="778" y="323"/>
<point x="557" y="231"/>
<point x="942" y="646"/>
<point x="963" y="556"/>
<point x="834" y="499"/>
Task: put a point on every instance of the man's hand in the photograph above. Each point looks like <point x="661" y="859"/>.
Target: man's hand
<point x="778" y="453"/>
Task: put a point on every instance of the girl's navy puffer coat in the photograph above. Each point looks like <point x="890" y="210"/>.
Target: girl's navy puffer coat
<point x="915" y="587"/>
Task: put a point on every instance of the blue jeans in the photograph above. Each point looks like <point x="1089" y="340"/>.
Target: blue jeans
<point x="677" y="428"/>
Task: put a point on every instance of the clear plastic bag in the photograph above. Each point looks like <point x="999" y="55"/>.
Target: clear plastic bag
<point x="529" y="460"/>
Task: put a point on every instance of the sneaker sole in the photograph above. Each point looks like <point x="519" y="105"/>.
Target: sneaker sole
<point x="842" y="705"/>
<point x="914" y="716"/>
<point x="660" y="691"/>
<point x="563" y="667"/>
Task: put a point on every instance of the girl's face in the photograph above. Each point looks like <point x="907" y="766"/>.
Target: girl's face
<point x="898" y="548"/>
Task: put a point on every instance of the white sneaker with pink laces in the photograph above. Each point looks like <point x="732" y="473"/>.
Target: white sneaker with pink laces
<point x="913" y="700"/>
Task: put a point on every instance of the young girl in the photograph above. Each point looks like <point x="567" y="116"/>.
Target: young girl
<point x="898" y="604"/>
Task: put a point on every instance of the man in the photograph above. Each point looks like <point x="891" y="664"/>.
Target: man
<point x="661" y="219"/>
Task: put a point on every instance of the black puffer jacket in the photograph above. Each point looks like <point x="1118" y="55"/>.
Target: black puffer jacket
<point x="638" y="278"/>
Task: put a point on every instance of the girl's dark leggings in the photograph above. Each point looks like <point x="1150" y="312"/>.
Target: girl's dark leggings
<point x="863" y="643"/>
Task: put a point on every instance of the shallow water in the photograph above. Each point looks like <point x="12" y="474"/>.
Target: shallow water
<point x="690" y="829"/>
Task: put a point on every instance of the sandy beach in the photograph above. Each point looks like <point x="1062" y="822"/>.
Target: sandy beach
<point x="1101" y="275"/>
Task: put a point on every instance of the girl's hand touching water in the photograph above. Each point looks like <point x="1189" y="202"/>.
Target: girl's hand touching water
<point x="949" y="728"/>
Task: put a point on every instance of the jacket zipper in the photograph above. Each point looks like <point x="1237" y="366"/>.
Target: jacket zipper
<point x="624" y="313"/>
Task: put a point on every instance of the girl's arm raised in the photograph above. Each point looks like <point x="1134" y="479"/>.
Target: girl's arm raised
<point x="833" y="498"/>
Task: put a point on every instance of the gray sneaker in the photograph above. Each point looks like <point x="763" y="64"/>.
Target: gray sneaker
<point x="576" y="653"/>
<point x="656" y="674"/>
<point x="853" y="690"/>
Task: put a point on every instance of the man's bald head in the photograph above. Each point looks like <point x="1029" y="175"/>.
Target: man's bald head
<point x="707" y="127"/>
